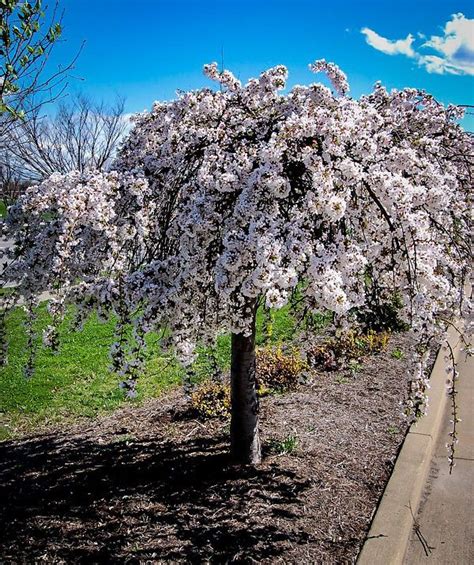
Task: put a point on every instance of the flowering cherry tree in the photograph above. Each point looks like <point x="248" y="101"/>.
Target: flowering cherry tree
<point x="225" y="199"/>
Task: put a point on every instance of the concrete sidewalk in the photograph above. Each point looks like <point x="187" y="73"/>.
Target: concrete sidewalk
<point x="444" y="525"/>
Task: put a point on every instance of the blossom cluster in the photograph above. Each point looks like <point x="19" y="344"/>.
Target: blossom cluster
<point x="224" y="198"/>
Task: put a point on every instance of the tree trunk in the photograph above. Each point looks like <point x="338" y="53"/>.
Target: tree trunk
<point x="244" y="438"/>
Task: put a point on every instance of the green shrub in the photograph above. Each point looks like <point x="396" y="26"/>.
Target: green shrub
<point x="381" y="314"/>
<point x="347" y="348"/>
<point x="354" y="345"/>
<point x="211" y="399"/>
<point x="279" y="370"/>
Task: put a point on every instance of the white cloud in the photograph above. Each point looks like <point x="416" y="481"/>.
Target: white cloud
<point x="454" y="49"/>
<point x="127" y="117"/>
<point x="389" y="46"/>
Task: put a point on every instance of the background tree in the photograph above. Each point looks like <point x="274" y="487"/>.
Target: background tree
<point x="223" y="200"/>
<point x="12" y="183"/>
<point x="26" y="41"/>
<point x="82" y="135"/>
<point x="27" y="38"/>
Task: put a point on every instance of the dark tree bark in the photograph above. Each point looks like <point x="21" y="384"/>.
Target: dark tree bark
<point x="244" y="436"/>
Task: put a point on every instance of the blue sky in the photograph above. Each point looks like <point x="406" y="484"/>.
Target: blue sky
<point x="147" y="49"/>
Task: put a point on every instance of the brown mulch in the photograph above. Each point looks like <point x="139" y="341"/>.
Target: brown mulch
<point x="151" y="484"/>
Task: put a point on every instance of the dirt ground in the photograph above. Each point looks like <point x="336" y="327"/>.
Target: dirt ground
<point x="152" y="484"/>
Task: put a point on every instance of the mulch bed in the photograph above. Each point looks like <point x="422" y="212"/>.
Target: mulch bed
<point x="152" y="484"/>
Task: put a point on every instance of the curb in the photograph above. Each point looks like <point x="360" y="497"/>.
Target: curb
<point x="392" y="523"/>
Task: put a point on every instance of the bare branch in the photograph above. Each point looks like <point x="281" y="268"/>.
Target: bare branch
<point x="81" y="136"/>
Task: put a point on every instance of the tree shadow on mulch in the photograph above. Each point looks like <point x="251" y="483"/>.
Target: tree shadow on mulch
<point x="151" y="484"/>
<point x="75" y="499"/>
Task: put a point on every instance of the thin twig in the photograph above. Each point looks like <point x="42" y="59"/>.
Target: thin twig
<point x="417" y="529"/>
<point x="453" y="393"/>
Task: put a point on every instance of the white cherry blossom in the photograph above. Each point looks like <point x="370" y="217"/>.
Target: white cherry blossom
<point x="222" y="198"/>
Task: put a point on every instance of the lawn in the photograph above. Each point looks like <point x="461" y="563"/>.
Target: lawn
<point x="77" y="383"/>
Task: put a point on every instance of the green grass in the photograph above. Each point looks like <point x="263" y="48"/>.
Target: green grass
<point x="3" y="209"/>
<point x="397" y="354"/>
<point x="285" y="446"/>
<point x="76" y="382"/>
